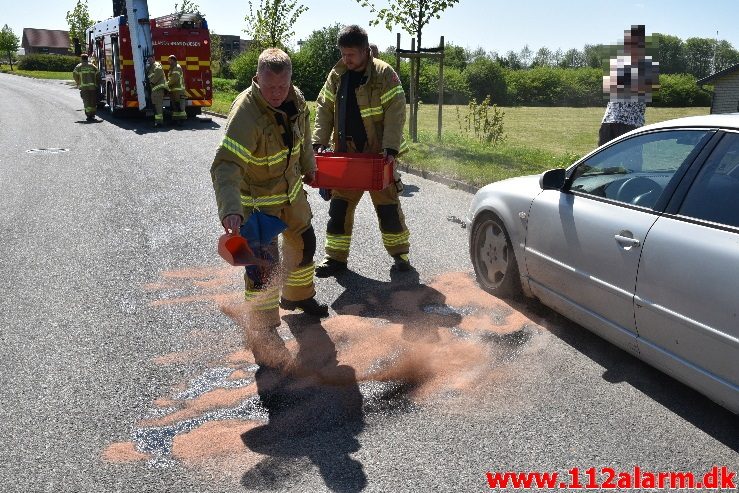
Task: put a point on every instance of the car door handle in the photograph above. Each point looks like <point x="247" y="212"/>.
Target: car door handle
<point x="625" y="240"/>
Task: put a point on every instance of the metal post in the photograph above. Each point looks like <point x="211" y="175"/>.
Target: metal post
<point x="412" y="97"/>
<point x="441" y="88"/>
<point x="397" y="56"/>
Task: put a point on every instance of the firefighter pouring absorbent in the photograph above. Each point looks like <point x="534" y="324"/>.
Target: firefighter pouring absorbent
<point x="259" y="169"/>
<point x="87" y="80"/>
<point x="361" y="108"/>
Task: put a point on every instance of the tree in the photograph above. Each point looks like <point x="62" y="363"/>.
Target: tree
<point x="271" y="25"/>
<point x="78" y="20"/>
<point x="724" y="56"/>
<point x="317" y="56"/>
<point x="524" y="56"/>
<point x="9" y="43"/>
<point x="699" y="56"/>
<point x="511" y="61"/>
<point x="572" y="58"/>
<point x="543" y="58"/>
<point x="670" y="54"/>
<point x="485" y="77"/>
<point x="412" y="16"/>
<point x="187" y="7"/>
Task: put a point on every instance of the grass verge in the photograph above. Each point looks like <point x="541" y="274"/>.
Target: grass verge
<point x="36" y="74"/>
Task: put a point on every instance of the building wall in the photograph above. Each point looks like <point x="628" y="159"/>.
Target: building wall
<point x="726" y="94"/>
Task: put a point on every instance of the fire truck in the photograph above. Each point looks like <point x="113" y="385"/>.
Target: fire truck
<point x="121" y="44"/>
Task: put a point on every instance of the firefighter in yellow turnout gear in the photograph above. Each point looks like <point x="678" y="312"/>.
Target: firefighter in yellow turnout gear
<point x="176" y="86"/>
<point x="361" y="108"/>
<point x="157" y="85"/>
<point x="261" y="164"/>
<point x="87" y="80"/>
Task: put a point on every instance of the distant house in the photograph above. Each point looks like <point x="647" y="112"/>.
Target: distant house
<point x="45" y="41"/>
<point x="233" y="45"/>
<point x="725" y="90"/>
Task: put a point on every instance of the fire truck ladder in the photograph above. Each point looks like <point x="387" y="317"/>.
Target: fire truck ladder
<point x="140" y="30"/>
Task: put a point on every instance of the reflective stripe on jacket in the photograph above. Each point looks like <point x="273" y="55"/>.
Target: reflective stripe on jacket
<point x="155" y="75"/>
<point x="251" y="167"/>
<point x="176" y="79"/>
<point x="381" y="103"/>
<point x="86" y="76"/>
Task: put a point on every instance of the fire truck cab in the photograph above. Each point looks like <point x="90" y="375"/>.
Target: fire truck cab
<point x="120" y="45"/>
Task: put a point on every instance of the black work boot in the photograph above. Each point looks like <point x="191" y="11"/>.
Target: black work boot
<point x="309" y="306"/>
<point x="330" y="267"/>
<point x="402" y="264"/>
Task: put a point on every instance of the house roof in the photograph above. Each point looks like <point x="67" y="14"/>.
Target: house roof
<point x="726" y="71"/>
<point x="48" y="38"/>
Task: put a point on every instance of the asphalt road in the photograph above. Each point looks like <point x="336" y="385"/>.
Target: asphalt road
<point x="116" y="312"/>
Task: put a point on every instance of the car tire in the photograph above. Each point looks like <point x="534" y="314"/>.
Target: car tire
<point x="493" y="258"/>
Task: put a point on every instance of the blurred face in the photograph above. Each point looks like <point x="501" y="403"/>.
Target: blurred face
<point x="274" y="87"/>
<point x="355" y="58"/>
<point x="172" y="62"/>
<point x="633" y="45"/>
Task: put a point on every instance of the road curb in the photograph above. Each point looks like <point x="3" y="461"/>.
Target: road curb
<point x="410" y="169"/>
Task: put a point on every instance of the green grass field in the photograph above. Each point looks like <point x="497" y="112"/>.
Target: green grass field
<point x="36" y="74"/>
<point x="537" y="139"/>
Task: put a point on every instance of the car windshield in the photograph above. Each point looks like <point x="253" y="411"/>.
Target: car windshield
<point x="636" y="170"/>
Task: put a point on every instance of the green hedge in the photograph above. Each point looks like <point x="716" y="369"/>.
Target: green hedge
<point x="540" y="86"/>
<point x="680" y="90"/>
<point x="50" y="63"/>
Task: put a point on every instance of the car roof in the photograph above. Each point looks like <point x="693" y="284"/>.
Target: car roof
<point x="728" y="120"/>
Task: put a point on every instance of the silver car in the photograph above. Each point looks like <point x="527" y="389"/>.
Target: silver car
<point x="638" y="242"/>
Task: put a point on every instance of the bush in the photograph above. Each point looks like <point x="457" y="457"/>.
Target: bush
<point x="49" y="63"/>
<point x="484" y="77"/>
<point x="244" y="68"/>
<point x="680" y="90"/>
<point x="455" y="86"/>
<point x="224" y="85"/>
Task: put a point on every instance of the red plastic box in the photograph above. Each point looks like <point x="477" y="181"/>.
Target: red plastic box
<point x="352" y="171"/>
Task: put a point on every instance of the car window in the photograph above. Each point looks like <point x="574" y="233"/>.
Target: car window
<point x="637" y="170"/>
<point x="714" y="193"/>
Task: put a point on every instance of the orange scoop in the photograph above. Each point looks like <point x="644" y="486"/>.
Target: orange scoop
<point x="235" y="250"/>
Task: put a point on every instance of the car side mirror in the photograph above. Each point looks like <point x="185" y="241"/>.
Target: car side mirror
<point x="554" y="179"/>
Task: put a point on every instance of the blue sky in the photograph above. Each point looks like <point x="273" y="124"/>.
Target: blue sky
<point x="494" y="25"/>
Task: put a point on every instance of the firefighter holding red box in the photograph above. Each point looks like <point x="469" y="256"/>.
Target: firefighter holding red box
<point x="361" y="109"/>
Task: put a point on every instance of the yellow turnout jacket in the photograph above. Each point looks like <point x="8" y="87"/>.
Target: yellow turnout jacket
<point x="253" y="167"/>
<point x="381" y="103"/>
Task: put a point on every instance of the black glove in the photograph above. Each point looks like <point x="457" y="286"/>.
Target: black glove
<point x="325" y="193"/>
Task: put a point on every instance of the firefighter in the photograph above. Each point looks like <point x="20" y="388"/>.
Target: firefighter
<point x="258" y="167"/>
<point x="157" y="85"/>
<point x="361" y="108"/>
<point x="176" y="86"/>
<point x="87" y="80"/>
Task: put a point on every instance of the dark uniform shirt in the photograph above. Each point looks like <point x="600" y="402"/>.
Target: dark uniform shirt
<point x="354" y="124"/>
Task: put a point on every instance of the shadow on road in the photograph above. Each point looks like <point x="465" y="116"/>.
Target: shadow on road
<point x="623" y="367"/>
<point x="420" y="309"/>
<point x="314" y="412"/>
<point x="409" y="190"/>
<point x="141" y="124"/>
